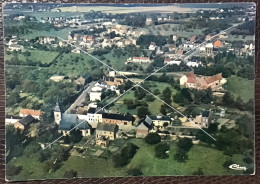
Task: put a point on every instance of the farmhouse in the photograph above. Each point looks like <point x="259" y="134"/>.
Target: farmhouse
<point x="118" y="119"/>
<point x="107" y="131"/>
<point x="158" y="121"/>
<point x="204" y="119"/>
<point x="152" y="46"/>
<point x="24" y="123"/>
<point x="143" y="129"/>
<point x="34" y="113"/>
<point x="113" y="81"/>
<point x="190" y="80"/>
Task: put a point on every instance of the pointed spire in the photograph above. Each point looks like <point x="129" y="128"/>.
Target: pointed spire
<point x="57" y="107"/>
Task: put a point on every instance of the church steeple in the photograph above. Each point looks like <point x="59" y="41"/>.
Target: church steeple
<point x="57" y="114"/>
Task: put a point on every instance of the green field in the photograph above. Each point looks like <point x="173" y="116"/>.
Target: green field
<point x="159" y="29"/>
<point x="41" y="56"/>
<point x="240" y="87"/>
<point x="69" y="65"/>
<point x="209" y="159"/>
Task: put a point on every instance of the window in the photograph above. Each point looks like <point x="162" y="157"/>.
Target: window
<point x="125" y="123"/>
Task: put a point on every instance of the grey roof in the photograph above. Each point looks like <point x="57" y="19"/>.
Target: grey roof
<point x="92" y="110"/>
<point x="205" y="113"/>
<point x="27" y="120"/>
<point x="106" y="127"/>
<point x="118" y="117"/>
<point x="69" y="121"/>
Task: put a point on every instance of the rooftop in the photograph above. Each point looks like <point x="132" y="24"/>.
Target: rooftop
<point x="106" y="127"/>
<point x="118" y="117"/>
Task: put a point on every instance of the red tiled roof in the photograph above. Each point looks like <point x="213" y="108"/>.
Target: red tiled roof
<point x="30" y="112"/>
<point x="214" y="78"/>
<point x="141" y="58"/>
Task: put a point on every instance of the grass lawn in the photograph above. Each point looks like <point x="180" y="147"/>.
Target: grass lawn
<point x="36" y="55"/>
<point x="116" y="63"/>
<point x="209" y="159"/>
<point x="240" y="87"/>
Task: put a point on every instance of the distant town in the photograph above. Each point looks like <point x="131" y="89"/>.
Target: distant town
<point x="95" y="94"/>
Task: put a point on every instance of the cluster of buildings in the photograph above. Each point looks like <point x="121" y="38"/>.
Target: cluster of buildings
<point x="190" y="80"/>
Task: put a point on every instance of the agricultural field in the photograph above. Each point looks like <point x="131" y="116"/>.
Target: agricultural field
<point x="44" y="57"/>
<point x="209" y="159"/>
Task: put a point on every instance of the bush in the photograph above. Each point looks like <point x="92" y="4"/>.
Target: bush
<point x="66" y="139"/>
<point x="249" y="171"/>
<point x="185" y="144"/>
<point x="75" y="136"/>
<point x="70" y="174"/>
<point x="160" y="150"/>
<point x="152" y="138"/>
<point x="181" y="156"/>
<point x="135" y="172"/>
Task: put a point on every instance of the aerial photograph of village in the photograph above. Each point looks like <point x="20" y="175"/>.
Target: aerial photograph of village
<point x="117" y="90"/>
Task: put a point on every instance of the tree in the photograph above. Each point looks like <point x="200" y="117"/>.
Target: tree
<point x="185" y="144"/>
<point x="228" y="163"/>
<point x="75" y="136"/>
<point x="198" y="172"/>
<point x="142" y="112"/>
<point x="124" y="157"/>
<point x="66" y="139"/>
<point x="160" y="150"/>
<point x="180" y="156"/>
<point x="152" y="138"/>
<point x="70" y="174"/>
<point x="163" y="109"/>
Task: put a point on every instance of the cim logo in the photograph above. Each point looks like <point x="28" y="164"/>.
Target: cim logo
<point x="237" y="167"/>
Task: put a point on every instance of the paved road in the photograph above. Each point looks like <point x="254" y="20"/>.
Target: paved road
<point x="81" y="97"/>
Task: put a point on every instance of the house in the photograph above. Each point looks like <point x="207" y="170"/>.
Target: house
<point x="204" y="119"/>
<point x="142" y="130"/>
<point x="172" y="47"/>
<point x="139" y="60"/>
<point x="193" y="38"/>
<point x="84" y="79"/>
<point x="148" y="21"/>
<point x="95" y="95"/>
<point x="111" y="73"/>
<point x="118" y="119"/>
<point x="94" y="116"/>
<point x="46" y="40"/>
<point x="209" y="36"/>
<point x="174" y="38"/>
<point x="158" y="121"/>
<point x="70" y="121"/>
<point x="15" y="47"/>
<point x="113" y="81"/>
<point x="207" y="51"/>
<point x="106" y="130"/>
<point x="184" y="78"/>
<point x="102" y="141"/>
<point x="88" y="39"/>
<point x="24" y="123"/>
<point x="34" y="113"/>
<point x="10" y="119"/>
<point x="171" y="61"/>
<point x="152" y="46"/>
<point x="223" y="35"/>
<point x="190" y="80"/>
<point x="217" y="44"/>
